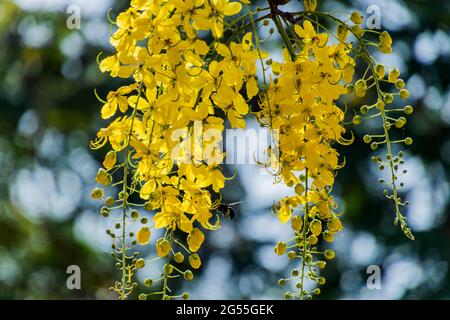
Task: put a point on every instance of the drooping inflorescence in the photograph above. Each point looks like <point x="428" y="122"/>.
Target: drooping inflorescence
<point x="190" y="65"/>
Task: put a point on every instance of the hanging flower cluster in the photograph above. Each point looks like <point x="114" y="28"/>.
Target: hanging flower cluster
<point x="181" y="88"/>
<point x="166" y="122"/>
<point x="300" y="106"/>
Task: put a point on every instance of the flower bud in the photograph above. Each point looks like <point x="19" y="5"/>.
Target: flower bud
<point x="143" y="235"/>
<point x="357" y="119"/>
<point x="408" y="110"/>
<point x="104" y="211"/>
<point x="134" y="214"/>
<point x="393" y="75"/>
<point x="194" y="261"/>
<point x="185" y="296"/>
<point x="408" y="141"/>
<point x="380" y="105"/>
<point x="148" y="282"/>
<point x="188" y="275"/>
<point x="312" y="239"/>
<point x="162" y="247"/>
<point x="329" y="254"/>
<point x="296" y="223"/>
<point x="280" y="248"/>
<point x="315" y="227"/>
<point x="178" y="257"/>
<point x="374" y="146"/>
<point x="103" y="177"/>
<point x="328" y="236"/>
<point x="367" y="138"/>
<point x="358" y="31"/>
<point x="356" y="17"/>
<point x="380" y="71"/>
<point x="110" y="201"/>
<point x="97" y="193"/>
<point x="404" y="94"/>
<point x="399" y="84"/>
<point x="110" y="160"/>
<point x="140" y="263"/>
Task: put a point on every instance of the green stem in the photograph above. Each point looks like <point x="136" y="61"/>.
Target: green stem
<point x="304" y="232"/>
<point x="123" y="293"/>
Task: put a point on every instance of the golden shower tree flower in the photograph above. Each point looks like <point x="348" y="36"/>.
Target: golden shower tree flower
<point x="179" y="79"/>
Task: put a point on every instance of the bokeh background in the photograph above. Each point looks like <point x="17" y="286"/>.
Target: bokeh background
<point x="48" y="114"/>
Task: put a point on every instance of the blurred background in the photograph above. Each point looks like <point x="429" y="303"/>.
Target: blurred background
<point x="49" y="113"/>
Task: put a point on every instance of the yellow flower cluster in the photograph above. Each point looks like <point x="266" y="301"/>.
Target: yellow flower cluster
<point x="300" y="107"/>
<point x="179" y="86"/>
<point x="180" y="82"/>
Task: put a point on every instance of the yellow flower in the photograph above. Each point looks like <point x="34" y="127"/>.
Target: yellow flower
<point x="309" y="35"/>
<point x="211" y="17"/>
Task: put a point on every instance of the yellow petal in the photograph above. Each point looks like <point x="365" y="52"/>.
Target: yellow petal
<point x="232" y="8"/>
<point x="147" y="188"/>
<point x="108" y="110"/>
<point x="252" y="87"/>
<point x="108" y="63"/>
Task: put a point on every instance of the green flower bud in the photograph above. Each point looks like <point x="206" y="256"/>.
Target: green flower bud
<point x="408" y="141"/>
<point x="292" y="255"/>
<point x="404" y="94"/>
<point x="142" y="296"/>
<point x="134" y="214"/>
<point x="408" y="110"/>
<point x="104" y="211"/>
<point x="178" y="257"/>
<point x="399" y="84"/>
<point x="356" y="17"/>
<point x="329" y="254"/>
<point x="148" y="282"/>
<point x="364" y="109"/>
<point x="357" y="119"/>
<point x="97" y="193"/>
<point x="188" y="275"/>
<point x="380" y="105"/>
<point x="110" y="201"/>
<point x="140" y="263"/>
